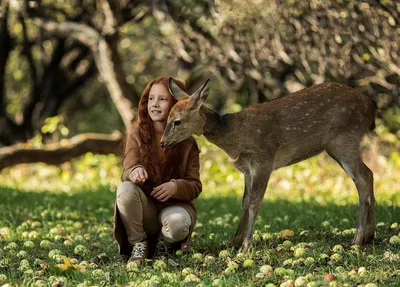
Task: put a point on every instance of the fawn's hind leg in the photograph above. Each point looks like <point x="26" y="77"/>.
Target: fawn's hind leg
<point x="350" y="160"/>
<point x="256" y="196"/>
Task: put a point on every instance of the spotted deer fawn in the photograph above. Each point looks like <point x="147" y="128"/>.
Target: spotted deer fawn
<point x="264" y="137"/>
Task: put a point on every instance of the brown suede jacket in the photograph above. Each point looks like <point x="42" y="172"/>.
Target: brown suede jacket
<point x="188" y="186"/>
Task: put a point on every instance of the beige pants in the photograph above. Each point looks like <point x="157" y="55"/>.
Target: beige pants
<point x="141" y="217"/>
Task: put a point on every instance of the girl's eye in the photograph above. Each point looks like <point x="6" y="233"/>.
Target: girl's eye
<point x="150" y="98"/>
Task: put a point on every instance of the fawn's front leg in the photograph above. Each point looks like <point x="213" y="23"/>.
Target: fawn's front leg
<point x="239" y="235"/>
<point x="256" y="196"/>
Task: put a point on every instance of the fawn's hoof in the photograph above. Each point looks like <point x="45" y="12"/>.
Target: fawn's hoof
<point x="364" y="237"/>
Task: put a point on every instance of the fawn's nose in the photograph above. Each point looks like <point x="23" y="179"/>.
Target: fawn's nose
<point x="162" y="144"/>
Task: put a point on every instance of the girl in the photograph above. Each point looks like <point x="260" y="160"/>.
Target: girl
<point x="155" y="199"/>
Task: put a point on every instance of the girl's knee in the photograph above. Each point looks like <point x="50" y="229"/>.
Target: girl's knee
<point x="176" y="227"/>
<point x="127" y="191"/>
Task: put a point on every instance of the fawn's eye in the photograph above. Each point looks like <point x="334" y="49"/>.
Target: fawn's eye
<point x="177" y="123"/>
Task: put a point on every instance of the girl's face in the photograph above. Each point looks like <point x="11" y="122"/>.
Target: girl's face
<point x="159" y="103"/>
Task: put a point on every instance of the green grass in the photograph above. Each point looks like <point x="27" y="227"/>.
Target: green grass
<point x="73" y="205"/>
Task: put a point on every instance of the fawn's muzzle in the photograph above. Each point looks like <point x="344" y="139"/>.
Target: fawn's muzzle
<point x="166" y="145"/>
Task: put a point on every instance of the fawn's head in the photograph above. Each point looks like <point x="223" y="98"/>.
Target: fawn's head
<point x="185" y="118"/>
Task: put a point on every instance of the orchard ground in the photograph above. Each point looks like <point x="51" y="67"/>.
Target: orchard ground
<point x="56" y="228"/>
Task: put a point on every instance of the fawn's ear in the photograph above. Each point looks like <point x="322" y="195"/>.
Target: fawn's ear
<point x="175" y="90"/>
<point x="200" y="96"/>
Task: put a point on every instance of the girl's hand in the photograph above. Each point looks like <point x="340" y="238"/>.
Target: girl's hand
<point x="139" y="175"/>
<point x="164" y="191"/>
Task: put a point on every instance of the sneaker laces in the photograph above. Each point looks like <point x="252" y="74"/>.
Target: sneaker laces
<point x="139" y="250"/>
<point x="163" y="248"/>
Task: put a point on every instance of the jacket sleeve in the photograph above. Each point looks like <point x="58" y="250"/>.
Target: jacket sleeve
<point x="131" y="158"/>
<point x="189" y="187"/>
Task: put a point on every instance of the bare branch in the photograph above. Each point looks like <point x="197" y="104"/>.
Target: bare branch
<point x="137" y="18"/>
<point x="112" y="15"/>
<point x="80" y="32"/>
<point x="377" y="80"/>
<point x="61" y="152"/>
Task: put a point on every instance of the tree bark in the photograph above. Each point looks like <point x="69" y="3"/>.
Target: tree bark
<point x="66" y="150"/>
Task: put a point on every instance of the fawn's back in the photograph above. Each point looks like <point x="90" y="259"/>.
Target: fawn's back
<point x="299" y="126"/>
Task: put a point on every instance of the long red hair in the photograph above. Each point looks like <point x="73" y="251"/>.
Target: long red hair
<point x="164" y="168"/>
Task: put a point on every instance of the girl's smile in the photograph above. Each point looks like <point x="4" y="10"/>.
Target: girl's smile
<point x="159" y="103"/>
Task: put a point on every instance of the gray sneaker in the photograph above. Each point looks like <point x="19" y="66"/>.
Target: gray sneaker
<point x="163" y="248"/>
<point x="139" y="252"/>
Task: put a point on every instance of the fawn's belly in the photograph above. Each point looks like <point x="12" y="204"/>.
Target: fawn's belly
<point x="290" y="155"/>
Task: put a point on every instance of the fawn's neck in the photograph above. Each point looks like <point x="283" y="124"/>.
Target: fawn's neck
<point x="216" y="126"/>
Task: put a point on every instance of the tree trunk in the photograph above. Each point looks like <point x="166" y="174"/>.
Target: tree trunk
<point x="108" y="62"/>
<point x="107" y="58"/>
<point x="10" y="132"/>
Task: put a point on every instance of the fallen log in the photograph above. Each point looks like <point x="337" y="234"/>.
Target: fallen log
<point x="65" y="150"/>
